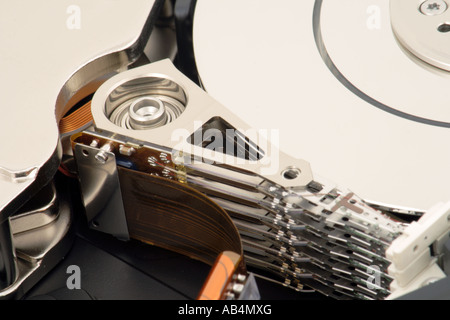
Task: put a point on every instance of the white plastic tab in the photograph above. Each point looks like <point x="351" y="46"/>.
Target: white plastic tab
<point x="413" y="266"/>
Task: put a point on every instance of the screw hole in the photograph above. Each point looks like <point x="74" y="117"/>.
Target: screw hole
<point x="85" y="153"/>
<point x="444" y="28"/>
<point x="290" y="173"/>
<point x="415" y="248"/>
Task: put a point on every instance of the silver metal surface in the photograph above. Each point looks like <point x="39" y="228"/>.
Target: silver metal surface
<point x="425" y="36"/>
<point x="28" y="236"/>
<point x="308" y="232"/>
<point x="39" y="249"/>
<point x="103" y="154"/>
<point x="433" y="7"/>
<point x="146" y="111"/>
<point x="39" y="214"/>
<point x="75" y="47"/>
<point x="167" y="98"/>
<point x="34" y="244"/>
<point x="100" y="188"/>
<point x="376" y="125"/>
<point x="162" y="79"/>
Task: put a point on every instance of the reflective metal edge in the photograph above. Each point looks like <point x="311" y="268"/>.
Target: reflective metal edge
<point x="99" y="182"/>
<point x="38" y="251"/>
<point x="69" y="63"/>
<point x="200" y="108"/>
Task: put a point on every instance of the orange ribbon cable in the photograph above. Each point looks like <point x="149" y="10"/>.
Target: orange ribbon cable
<point x="220" y="276"/>
<point x="164" y="212"/>
<point x="72" y="123"/>
<point x="76" y="120"/>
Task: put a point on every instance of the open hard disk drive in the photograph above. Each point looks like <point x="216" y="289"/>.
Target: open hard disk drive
<point x="225" y="149"/>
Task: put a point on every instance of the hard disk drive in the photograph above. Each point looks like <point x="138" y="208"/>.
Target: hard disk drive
<point x="225" y="150"/>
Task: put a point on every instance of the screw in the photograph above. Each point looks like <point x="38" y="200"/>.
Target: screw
<point x="102" y="155"/>
<point x="433" y="7"/>
<point x="290" y="173"/>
